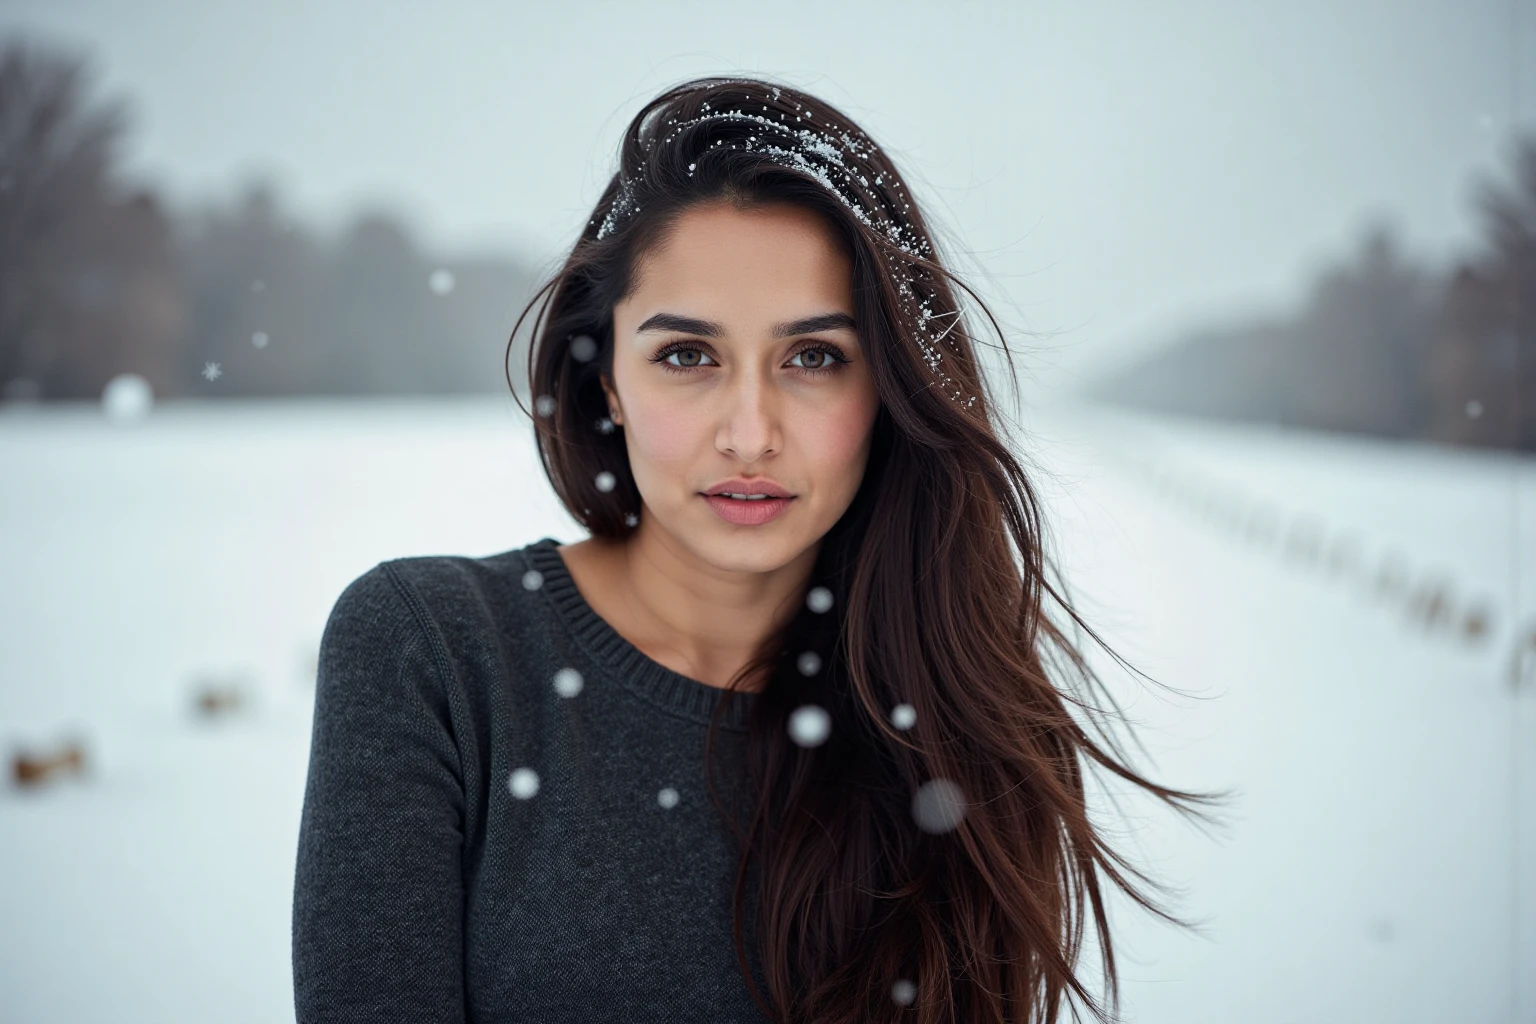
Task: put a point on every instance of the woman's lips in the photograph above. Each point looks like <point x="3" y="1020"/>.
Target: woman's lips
<point x="747" y="513"/>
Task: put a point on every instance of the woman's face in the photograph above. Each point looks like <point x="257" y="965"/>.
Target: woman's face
<point x="766" y="380"/>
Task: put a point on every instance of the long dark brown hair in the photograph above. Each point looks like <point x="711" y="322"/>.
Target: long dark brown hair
<point x="933" y="867"/>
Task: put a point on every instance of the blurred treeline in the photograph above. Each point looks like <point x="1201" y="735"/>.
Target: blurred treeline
<point x="1382" y="345"/>
<point x="99" y="279"/>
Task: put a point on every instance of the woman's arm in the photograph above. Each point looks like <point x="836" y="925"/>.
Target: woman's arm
<point x="378" y="891"/>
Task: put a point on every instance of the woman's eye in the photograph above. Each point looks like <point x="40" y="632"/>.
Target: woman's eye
<point x="688" y="357"/>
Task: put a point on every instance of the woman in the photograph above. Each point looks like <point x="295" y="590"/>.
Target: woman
<point x="783" y="739"/>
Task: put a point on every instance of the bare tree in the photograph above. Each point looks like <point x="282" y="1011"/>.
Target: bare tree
<point x="1359" y="348"/>
<point x="1483" y="373"/>
<point x="86" y="288"/>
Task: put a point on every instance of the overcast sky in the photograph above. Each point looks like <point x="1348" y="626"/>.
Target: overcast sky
<point x="1121" y="171"/>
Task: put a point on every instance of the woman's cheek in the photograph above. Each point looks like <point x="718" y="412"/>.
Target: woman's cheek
<point x="663" y="432"/>
<point x="842" y="434"/>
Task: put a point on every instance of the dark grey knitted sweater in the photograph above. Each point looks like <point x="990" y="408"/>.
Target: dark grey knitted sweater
<point x="483" y="841"/>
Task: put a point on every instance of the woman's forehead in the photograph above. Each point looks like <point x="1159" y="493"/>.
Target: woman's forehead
<point x="748" y="264"/>
<point x="715" y="232"/>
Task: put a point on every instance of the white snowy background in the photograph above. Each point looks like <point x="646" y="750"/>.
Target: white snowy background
<point x="1379" y="861"/>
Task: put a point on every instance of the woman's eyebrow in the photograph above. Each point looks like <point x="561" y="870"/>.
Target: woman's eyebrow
<point x="710" y="329"/>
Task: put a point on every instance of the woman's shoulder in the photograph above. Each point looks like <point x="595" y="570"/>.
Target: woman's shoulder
<point x="450" y="585"/>
<point x="452" y="596"/>
<point x="459" y="634"/>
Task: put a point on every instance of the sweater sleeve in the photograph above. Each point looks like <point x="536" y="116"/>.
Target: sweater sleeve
<point x="378" y="897"/>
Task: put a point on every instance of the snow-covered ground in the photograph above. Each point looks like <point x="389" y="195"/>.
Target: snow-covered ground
<point x="1342" y="620"/>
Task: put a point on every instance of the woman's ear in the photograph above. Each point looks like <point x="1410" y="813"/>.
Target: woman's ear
<point x="615" y="411"/>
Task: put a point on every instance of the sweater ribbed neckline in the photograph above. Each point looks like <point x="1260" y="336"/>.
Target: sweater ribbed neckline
<point x="635" y="670"/>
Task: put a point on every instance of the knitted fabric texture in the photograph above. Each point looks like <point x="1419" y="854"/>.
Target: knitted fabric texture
<point x="505" y="816"/>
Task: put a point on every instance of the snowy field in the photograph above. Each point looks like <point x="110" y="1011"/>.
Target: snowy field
<point x="1348" y="624"/>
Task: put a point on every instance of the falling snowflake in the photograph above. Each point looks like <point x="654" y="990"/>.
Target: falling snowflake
<point x="903" y="716"/>
<point x="809" y="663"/>
<point x="533" y="579"/>
<point x="819" y="599"/>
<point x="630" y="519"/>
<point x="605" y="481"/>
<point x="583" y="348"/>
<point x="441" y="282"/>
<point x="903" y="992"/>
<point x="667" y="797"/>
<point x="523" y="783"/>
<point x="127" y="396"/>
<point x="810" y="725"/>
<point x="211" y="371"/>
<point x="938" y="806"/>
<point x="568" y="682"/>
<point x="260" y="339"/>
<point x="605" y="425"/>
<point x="544" y="405"/>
